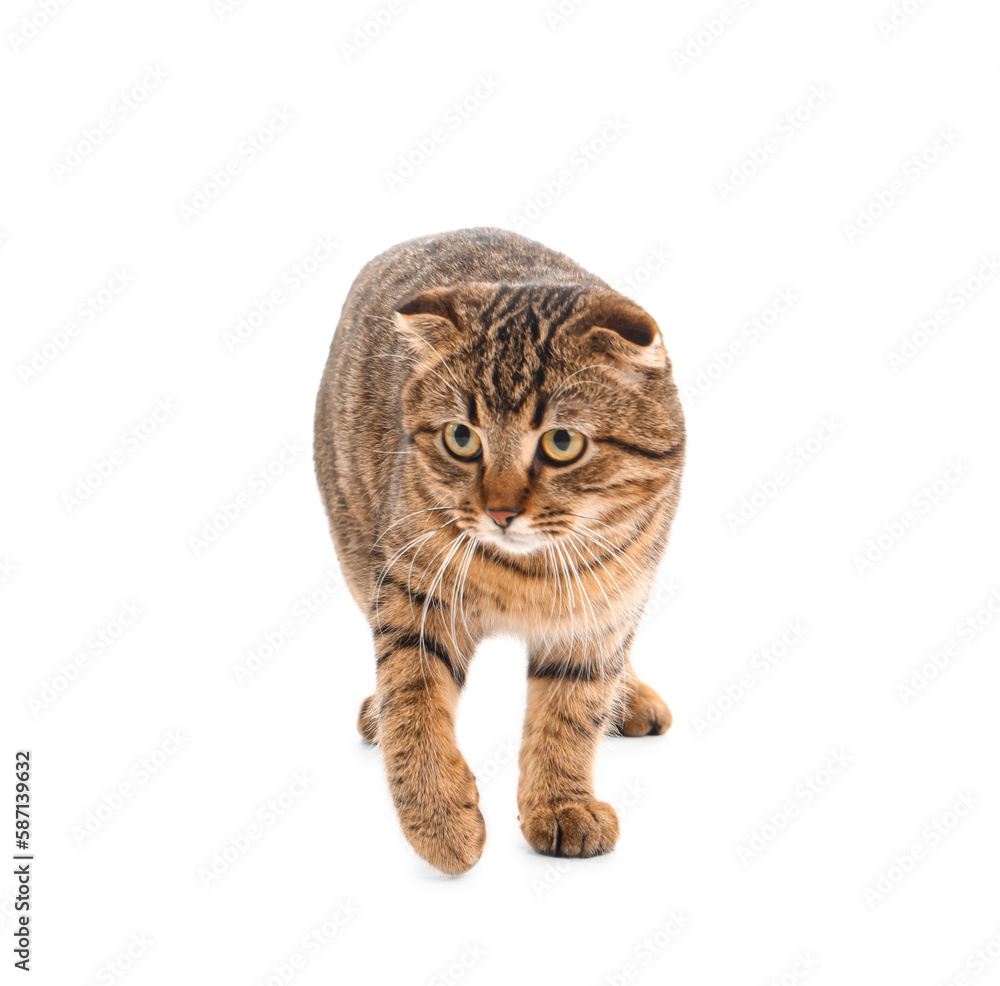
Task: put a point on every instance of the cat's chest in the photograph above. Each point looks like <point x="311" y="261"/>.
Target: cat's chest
<point x="560" y="600"/>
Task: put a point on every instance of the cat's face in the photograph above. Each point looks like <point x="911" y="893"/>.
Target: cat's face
<point x="541" y="418"/>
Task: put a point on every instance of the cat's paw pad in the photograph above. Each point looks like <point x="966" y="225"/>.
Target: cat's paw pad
<point x="646" y="714"/>
<point x="571" y="828"/>
<point x="446" y="827"/>
<point x="368" y="719"/>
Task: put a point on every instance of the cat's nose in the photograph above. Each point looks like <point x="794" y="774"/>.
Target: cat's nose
<point x="502" y="516"/>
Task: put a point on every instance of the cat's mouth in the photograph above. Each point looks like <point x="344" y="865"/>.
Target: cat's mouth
<point x="513" y="542"/>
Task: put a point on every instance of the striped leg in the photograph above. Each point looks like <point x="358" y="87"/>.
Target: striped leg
<point x="419" y="684"/>
<point x="571" y="701"/>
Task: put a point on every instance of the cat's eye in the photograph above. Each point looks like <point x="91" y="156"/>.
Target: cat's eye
<point x="462" y="441"/>
<point x="562" y="446"/>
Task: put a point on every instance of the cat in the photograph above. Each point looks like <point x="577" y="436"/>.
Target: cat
<point x="499" y="445"/>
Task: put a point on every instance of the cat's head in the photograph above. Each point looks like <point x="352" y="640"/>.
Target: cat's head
<point x="538" y="413"/>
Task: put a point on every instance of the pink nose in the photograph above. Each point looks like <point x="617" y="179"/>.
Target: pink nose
<point x="502" y="516"/>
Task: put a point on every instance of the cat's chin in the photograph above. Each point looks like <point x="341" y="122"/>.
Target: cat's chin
<point x="515" y="544"/>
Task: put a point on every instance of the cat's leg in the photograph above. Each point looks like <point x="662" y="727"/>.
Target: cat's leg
<point x="420" y="678"/>
<point x="572" y="699"/>
<point x="646" y="714"/>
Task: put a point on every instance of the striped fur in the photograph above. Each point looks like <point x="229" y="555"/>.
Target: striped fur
<point x="491" y="330"/>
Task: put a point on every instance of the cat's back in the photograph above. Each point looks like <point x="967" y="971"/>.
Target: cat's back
<point x="464" y="255"/>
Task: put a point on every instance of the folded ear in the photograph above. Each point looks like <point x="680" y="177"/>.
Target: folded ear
<point x="623" y="329"/>
<point x="434" y="301"/>
<point x="428" y="318"/>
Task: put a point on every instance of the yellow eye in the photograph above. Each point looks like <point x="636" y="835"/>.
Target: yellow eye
<point x="462" y="441"/>
<point x="562" y="446"/>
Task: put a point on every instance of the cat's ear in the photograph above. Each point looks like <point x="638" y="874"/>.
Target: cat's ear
<point x="428" y="318"/>
<point x="624" y="330"/>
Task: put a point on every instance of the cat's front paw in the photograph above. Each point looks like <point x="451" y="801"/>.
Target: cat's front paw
<point x="571" y="828"/>
<point x="444" y="824"/>
<point x="646" y="714"/>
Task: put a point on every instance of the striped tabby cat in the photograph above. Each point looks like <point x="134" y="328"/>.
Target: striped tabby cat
<point x="499" y="445"/>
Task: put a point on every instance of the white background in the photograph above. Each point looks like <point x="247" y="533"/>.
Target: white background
<point x="692" y="799"/>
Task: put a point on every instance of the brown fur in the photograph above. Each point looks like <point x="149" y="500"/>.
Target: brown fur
<point x="499" y="333"/>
